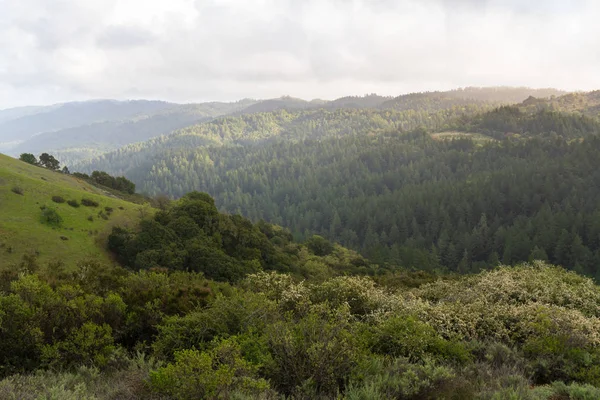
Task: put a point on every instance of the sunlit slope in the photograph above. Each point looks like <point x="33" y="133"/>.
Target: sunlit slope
<point x="80" y="233"/>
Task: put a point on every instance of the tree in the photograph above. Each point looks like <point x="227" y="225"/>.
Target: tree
<point x="48" y="161"/>
<point x="65" y="170"/>
<point x="319" y="245"/>
<point x="28" y="158"/>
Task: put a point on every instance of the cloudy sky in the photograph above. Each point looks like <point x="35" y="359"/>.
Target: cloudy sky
<point x="197" y="50"/>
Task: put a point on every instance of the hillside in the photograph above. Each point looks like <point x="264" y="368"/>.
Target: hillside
<point x="74" y="114"/>
<point x="375" y="183"/>
<point x="196" y="303"/>
<point x="467" y="96"/>
<point x="79" y="131"/>
<point x="78" y="143"/>
<point x="22" y="231"/>
<point x="585" y="103"/>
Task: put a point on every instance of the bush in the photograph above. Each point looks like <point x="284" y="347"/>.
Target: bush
<point x="408" y="337"/>
<point x="73" y="203"/>
<point x="558" y="390"/>
<point x="315" y="354"/>
<point x="91" y="344"/>
<point x="401" y="379"/>
<point x="17" y="190"/>
<point x="90" y="218"/>
<point x="58" y="199"/>
<point x="51" y="217"/>
<point x="216" y="373"/>
<point x="319" y="245"/>
<point x="83" y="383"/>
<point x="238" y="314"/>
<point x="89" y="202"/>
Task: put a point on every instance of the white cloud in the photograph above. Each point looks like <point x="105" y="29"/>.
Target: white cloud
<point x="186" y="50"/>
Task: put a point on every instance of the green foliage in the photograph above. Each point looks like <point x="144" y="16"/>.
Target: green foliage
<point x="51" y="217"/>
<point x="318" y="351"/>
<point x="58" y="199"/>
<point x="560" y="390"/>
<point x="192" y="235"/>
<point x="17" y="190"/>
<point x="28" y="158"/>
<point x="89" y="202"/>
<point x="238" y="314"/>
<point x="91" y="344"/>
<point x="319" y="245"/>
<point x="214" y="374"/>
<point x="514" y="332"/>
<point x="378" y="183"/>
<point x="20" y="336"/>
<point x="401" y="379"/>
<point x="119" y="183"/>
<point x="48" y="161"/>
<point x="128" y="382"/>
<point x="73" y="203"/>
<point x="408" y="337"/>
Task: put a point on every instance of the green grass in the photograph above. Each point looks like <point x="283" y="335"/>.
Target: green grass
<point x="21" y="228"/>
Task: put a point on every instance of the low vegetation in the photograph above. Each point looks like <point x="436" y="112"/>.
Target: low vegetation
<point x="89" y="202"/>
<point x="527" y="332"/>
<point x="21" y="227"/>
<point x="58" y="199"/>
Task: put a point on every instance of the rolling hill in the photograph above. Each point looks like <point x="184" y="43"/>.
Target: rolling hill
<point x="74" y="114"/>
<point x="80" y="131"/>
<point x="78" y="143"/>
<point x="25" y="188"/>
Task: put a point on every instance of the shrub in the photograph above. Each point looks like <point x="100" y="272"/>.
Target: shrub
<point x="89" y="202"/>
<point x="102" y="215"/>
<point x="227" y="316"/>
<point x="73" y="203"/>
<point x="108" y="209"/>
<point x="319" y="245"/>
<point x="408" y="337"/>
<point x="21" y="338"/>
<point x="91" y="344"/>
<point x="401" y="379"/>
<point x="17" y="190"/>
<point x="90" y="218"/>
<point x="58" y="199"/>
<point x="51" y="217"/>
<point x="559" y="390"/>
<point x="216" y="373"/>
<point x="316" y="353"/>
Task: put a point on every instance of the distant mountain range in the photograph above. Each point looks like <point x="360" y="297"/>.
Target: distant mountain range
<point x="82" y="130"/>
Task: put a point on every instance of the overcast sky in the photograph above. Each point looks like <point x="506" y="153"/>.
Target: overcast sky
<point x="198" y="50"/>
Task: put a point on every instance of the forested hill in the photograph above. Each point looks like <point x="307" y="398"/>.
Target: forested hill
<point x="518" y="188"/>
<point x="467" y="96"/>
<point x="82" y="130"/>
<point x="78" y="143"/>
<point x="586" y="103"/>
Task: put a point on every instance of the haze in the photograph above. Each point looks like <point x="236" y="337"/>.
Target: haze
<point x="188" y="51"/>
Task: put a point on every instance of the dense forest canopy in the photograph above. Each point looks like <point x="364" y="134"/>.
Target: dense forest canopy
<point x="516" y="185"/>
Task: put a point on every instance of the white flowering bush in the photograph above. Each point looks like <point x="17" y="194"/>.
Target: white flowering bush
<point x="360" y="293"/>
<point x="537" y="282"/>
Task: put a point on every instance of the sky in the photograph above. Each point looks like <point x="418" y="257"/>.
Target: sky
<point x="203" y="50"/>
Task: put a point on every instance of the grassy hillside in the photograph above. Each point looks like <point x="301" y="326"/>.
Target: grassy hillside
<point x="22" y="231"/>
